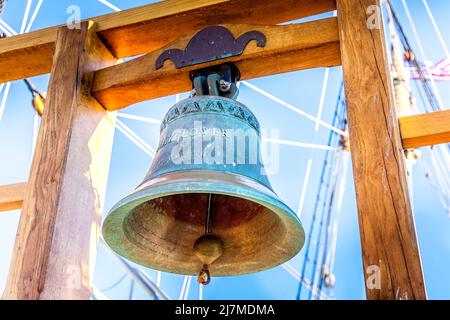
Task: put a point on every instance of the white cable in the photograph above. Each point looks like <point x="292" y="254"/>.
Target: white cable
<point x="298" y="144"/>
<point x="4" y="33"/>
<point x="138" y="118"/>
<point x="322" y="246"/>
<point x="133" y="138"/>
<point x="422" y="53"/>
<point x="295" y="274"/>
<point x="141" y="278"/>
<point x="150" y="148"/>
<point x="7" y="29"/>
<point x="4" y="99"/>
<point x="35" y="131"/>
<point x="442" y="197"/>
<point x="110" y="5"/>
<point x="200" y="291"/>
<point x="443" y="181"/>
<point x="158" y="278"/>
<point x="4" y="30"/>
<point x="436" y="28"/>
<point x="97" y="294"/>
<point x="295" y="109"/>
<point x="340" y="201"/>
<point x="443" y="148"/>
<point x="316" y="129"/>
<point x="34" y="15"/>
<point x="188" y="286"/>
<point x="322" y="96"/>
<point x="343" y="182"/>
<point x="304" y="187"/>
<point x="444" y="173"/>
<point x="25" y="16"/>
<point x="183" y="287"/>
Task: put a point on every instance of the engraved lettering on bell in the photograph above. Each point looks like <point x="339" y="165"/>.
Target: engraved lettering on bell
<point x="211" y="104"/>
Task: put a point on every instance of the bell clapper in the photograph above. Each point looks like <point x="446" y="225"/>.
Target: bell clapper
<point x="208" y="247"/>
<point x="204" y="277"/>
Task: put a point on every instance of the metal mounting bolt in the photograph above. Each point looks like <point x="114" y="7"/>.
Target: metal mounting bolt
<point x="224" y="86"/>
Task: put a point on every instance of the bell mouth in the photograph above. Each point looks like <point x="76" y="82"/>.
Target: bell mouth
<point x="158" y="224"/>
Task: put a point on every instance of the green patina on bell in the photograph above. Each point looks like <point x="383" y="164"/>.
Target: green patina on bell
<point x="206" y="203"/>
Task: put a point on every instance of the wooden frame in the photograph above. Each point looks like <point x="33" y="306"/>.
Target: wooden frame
<point x="11" y="196"/>
<point x="75" y="122"/>
<point x="425" y="129"/>
<point x="126" y="33"/>
<point x="386" y="222"/>
<point x="291" y="47"/>
<point x="55" y="247"/>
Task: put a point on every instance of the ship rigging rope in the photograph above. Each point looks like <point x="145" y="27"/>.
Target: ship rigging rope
<point x="329" y="216"/>
<point x="130" y="293"/>
<point x="335" y="227"/>
<point x="34" y="15"/>
<point x="325" y="166"/>
<point x="2" y="6"/>
<point x="316" y="129"/>
<point x="25" y="16"/>
<point x="326" y="207"/>
<point x="436" y="28"/>
<point x="293" y="108"/>
<point x="407" y="46"/>
<point x="445" y="201"/>
<point x="439" y="151"/>
<point x="424" y="56"/>
<point x="115" y="284"/>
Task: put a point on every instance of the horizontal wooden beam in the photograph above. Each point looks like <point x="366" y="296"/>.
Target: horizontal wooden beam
<point x="26" y="55"/>
<point x="147" y="28"/>
<point x="425" y="129"/>
<point x="11" y="196"/>
<point x="288" y="48"/>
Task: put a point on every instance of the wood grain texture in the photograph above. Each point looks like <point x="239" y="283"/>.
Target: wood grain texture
<point x="388" y="236"/>
<point x="147" y="28"/>
<point x="56" y="240"/>
<point x="27" y="55"/>
<point x="11" y="196"/>
<point x="289" y="48"/>
<point x="425" y="129"/>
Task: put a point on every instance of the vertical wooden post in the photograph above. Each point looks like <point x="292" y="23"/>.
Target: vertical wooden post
<point x="56" y="241"/>
<point x="388" y="238"/>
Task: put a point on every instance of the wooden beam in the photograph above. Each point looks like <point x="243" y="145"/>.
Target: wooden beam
<point x="11" y="196"/>
<point x="27" y="55"/>
<point x="147" y="28"/>
<point x="425" y="129"/>
<point x="289" y="48"/>
<point x="389" y="246"/>
<point x="55" y="247"/>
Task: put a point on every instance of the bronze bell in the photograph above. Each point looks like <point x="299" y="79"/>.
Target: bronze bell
<point x="201" y="206"/>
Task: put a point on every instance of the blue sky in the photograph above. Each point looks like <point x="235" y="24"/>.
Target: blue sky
<point x="301" y="89"/>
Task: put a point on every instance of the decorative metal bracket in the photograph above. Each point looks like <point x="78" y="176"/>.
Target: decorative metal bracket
<point x="209" y="44"/>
